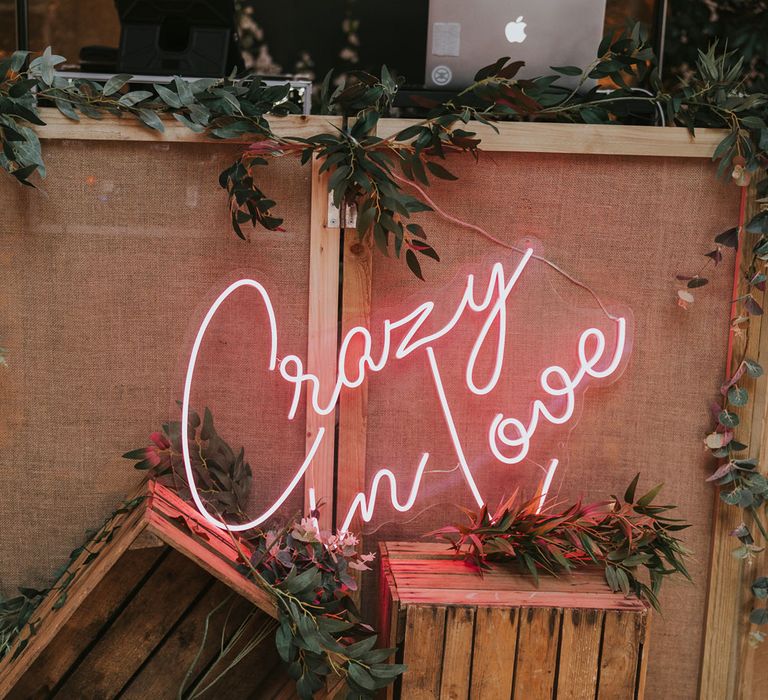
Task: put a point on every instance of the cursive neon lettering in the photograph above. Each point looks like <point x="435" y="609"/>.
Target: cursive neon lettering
<point x="509" y="439"/>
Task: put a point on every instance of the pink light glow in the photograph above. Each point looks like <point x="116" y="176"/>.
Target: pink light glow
<point x="505" y="447"/>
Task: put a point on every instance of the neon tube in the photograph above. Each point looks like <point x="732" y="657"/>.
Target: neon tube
<point x="504" y="433"/>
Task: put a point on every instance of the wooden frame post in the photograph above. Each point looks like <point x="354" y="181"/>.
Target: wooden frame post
<point x="322" y="342"/>
<point x="727" y="661"/>
<point x="353" y="406"/>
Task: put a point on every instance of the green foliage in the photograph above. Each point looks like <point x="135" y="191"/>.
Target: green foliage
<point x="383" y="177"/>
<point x="320" y="631"/>
<point x="15" y="614"/>
<point x="223" y="477"/>
<point x="743" y="24"/>
<point x="310" y="574"/>
<point x="219" y="108"/>
<point x="624" y="537"/>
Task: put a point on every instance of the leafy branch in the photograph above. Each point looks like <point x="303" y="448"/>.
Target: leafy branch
<point x="624" y="537"/>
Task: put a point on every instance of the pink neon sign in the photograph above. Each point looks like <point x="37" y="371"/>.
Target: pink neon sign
<point x="509" y="438"/>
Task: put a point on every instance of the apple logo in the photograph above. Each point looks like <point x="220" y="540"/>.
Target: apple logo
<point x="515" y="31"/>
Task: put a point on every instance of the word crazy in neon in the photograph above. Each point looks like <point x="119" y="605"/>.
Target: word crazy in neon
<point x="509" y="438"/>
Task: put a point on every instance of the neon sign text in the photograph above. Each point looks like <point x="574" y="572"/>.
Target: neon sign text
<point x="509" y="438"/>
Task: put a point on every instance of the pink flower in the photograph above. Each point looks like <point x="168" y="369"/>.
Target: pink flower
<point x="160" y="440"/>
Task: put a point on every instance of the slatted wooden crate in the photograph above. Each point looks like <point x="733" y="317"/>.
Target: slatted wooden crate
<point x="501" y="636"/>
<point x="133" y="616"/>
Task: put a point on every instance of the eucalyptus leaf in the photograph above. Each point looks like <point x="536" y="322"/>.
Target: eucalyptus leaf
<point x="115" y="83"/>
<point x="133" y="98"/>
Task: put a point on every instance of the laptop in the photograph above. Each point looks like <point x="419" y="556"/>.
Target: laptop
<point x="463" y="36"/>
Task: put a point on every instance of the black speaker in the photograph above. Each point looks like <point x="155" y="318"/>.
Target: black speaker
<point x="194" y="38"/>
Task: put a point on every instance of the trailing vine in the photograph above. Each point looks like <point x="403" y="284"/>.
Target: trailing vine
<point x="739" y="477"/>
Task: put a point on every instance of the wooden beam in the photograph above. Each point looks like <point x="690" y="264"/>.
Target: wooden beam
<point x="353" y="406"/>
<point x="126" y="128"/>
<point x="595" y="139"/>
<point x="526" y="137"/>
<point x="726" y="665"/>
<point x="322" y="342"/>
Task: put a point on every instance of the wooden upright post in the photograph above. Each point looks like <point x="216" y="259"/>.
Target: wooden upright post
<point x="727" y="659"/>
<point x="322" y="343"/>
<point x="353" y="407"/>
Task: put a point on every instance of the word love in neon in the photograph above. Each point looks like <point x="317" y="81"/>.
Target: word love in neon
<point x="509" y="439"/>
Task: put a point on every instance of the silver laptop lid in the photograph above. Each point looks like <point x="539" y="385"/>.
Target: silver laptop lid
<point x="465" y="36"/>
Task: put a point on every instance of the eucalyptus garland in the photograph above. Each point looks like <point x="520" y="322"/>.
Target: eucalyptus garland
<point x="367" y="171"/>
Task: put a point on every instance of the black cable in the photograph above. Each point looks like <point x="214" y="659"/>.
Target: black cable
<point x="22" y="25"/>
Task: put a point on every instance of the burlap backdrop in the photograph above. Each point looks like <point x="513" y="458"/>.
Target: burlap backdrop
<point x="107" y="271"/>
<point x="625" y="227"/>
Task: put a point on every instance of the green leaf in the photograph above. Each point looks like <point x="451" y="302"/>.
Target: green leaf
<point x="141" y="453"/>
<point x="629" y="494"/>
<point x="728" y="419"/>
<point x="760" y="587"/>
<point x="305" y="581"/>
<point x="439" y="171"/>
<point x="410" y="132"/>
<point x="360" y="676"/>
<point x="115" y="83"/>
<point x="758" y="224"/>
<point x="697" y="282"/>
<point x="387" y="671"/>
<point x="427" y="250"/>
<point x="21" y="174"/>
<point x="197" y="128"/>
<point x="132" y="98"/>
<point x="729" y="237"/>
<point x="647" y="499"/>
<point x="168" y="96"/>
<point x="21" y="88"/>
<point x="359" y="649"/>
<point x="67" y="109"/>
<point x="567" y="70"/>
<point x="284" y="642"/>
<point x="8" y="106"/>
<point x="413" y="264"/>
<point x="754" y="369"/>
<point x="44" y="66"/>
<point x="184" y="91"/>
<point x="339" y="175"/>
<point x="151" y="119"/>
<point x="759" y="616"/>
<point x="738" y="396"/>
<point x="752" y="122"/>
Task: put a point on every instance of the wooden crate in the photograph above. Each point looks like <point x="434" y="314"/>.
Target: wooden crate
<point x="132" y="620"/>
<point x="501" y="636"/>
